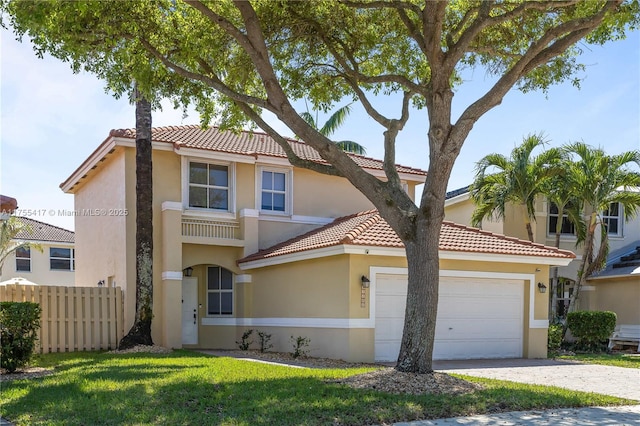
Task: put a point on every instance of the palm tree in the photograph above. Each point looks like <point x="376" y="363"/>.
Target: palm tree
<point x="600" y="181"/>
<point x="559" y="191"/>
<point x="9" y="230"/>
<point x="518" y="180"/>
<point x="140" y="332"/>
<point x="336" y="120"/>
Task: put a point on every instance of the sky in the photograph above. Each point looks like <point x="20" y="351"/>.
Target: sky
<point x="52" y="119"/>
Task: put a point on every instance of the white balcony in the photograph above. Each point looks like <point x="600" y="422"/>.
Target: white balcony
<point x="212" y="232"/>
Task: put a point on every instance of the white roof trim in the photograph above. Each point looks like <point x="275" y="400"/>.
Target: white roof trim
<point x="88" y="164"/>
<point x="45" y="242"/>
<point x="398" y="252"/>
<point x="457" y="199"/>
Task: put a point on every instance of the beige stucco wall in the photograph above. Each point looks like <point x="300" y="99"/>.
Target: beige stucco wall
<point x="620" y="295"/>
<point x="331" y="288"/>
<point x="271" y="232"/>
<point x="306" y="289"/>
<point x="461" y="212"/>
<point x="40" y="273"/>
<point x="326" y="196"/>
<point x="101" y="239"/>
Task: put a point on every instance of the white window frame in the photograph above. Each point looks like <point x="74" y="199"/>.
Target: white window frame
<point x="71" y="259"/>
<point x="229" y="213"/>
<point x="220" y="291"/>
<point x="619" y="217"/>
<point x="28" y="250"/>
<point x="551" y="231"/>
<point x="288" y="193"/>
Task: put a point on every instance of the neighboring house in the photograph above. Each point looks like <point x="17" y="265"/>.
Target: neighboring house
<point x="623" y="238"/>
<point x="243" y="240"/>
<point x="50" y="262"/>
<point x="617" y="287"/>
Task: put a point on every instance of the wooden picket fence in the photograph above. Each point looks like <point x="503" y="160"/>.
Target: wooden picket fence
<point x="73" y="318"/>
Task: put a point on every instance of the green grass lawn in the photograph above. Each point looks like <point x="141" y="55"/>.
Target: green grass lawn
<point x="616" y="360"/>
<point x="186" y="388"/>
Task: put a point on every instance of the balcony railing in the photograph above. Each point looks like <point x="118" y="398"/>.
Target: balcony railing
<point x="204" y="228"/>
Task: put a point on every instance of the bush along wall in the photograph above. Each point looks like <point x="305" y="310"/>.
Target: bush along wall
<point x="19" y="324"/>
<point x="591" y="328"/>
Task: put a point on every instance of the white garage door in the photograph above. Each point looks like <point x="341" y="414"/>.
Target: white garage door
<point x="477" y="317"/>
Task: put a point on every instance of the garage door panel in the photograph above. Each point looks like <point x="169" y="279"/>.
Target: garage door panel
<point x="486" y="348"/>
<point x="389" y="329"/>
<point x="391" y="306"/>
<point x="463" y="329"/>
<point x="478" y="308"/>
<point x="477" y="318"/>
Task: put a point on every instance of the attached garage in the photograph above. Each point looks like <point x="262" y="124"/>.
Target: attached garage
<point x="477" y="317"/>
<point x="344" y="285"/>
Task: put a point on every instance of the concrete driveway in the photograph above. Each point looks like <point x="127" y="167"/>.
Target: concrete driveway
<point x="615" y="381"/>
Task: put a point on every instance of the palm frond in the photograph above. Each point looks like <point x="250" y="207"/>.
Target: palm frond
<point x="336" y="120"/>
<point x="351" y="146"/>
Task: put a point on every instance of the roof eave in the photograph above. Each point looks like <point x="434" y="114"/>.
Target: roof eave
<point x="400" y="252"/>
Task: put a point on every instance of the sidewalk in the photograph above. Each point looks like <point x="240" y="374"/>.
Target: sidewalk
<point x="590" y="416"/>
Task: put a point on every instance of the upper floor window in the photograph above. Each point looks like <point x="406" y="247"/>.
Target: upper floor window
<point x="274" y="190"/>
<point x="219" y="291"/>
<point x="209" y="186"/>
<point x="612" y="219"/>
<point x="61" y="259"/>
<point x="568" y="228"/>
<point x="23" y="259"/>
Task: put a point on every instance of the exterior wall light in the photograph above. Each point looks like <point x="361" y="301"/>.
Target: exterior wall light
<point x="365" y="281"/>
<point x="542" y="288"/>
<point x="188" y="271"/>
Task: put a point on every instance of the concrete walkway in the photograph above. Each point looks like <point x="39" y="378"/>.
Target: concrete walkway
<point x="614" y="381"/>
<point x="591" y="416"/>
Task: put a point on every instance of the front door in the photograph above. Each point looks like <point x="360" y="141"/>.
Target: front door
<point x="189" y="311"/>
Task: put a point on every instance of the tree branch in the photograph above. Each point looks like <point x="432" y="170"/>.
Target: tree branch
<point x="399" y="5"/>
<point x="390" y="136"/>
<point x="537" y="55"/>
<point x="293" y="158"/>
<point x="413" y="30"/>
<point x="211" y="81"/>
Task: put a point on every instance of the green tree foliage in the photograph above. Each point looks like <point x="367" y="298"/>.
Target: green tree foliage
<point x="518" y="180"/>
<point x="9" y="229"/>
<point x="236" y="59"/>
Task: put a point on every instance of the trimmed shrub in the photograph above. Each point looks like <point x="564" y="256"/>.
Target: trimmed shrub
<point x="300" y="346"/>
<point x="591" y="328"/>
<point x="19" y="323"/>
<point x="245" y="342"/>
<point x="554" y="339"/>
<point x="265" y="341"/>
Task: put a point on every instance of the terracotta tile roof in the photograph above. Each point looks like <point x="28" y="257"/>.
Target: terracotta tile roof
<point x="40" y="231"/>
<point x="244" y="143"/>
<point x="370" y="229"/>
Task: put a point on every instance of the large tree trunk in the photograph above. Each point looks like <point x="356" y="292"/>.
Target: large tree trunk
<point x="140" y="333"/>
<point x="416" y="350"/>
<point x="423" y="261"/>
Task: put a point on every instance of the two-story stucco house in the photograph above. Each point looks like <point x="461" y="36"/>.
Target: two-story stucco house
<point x="616" y="289"/>
<point x="243" y="240"/>
<point x="51" y="259"/>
